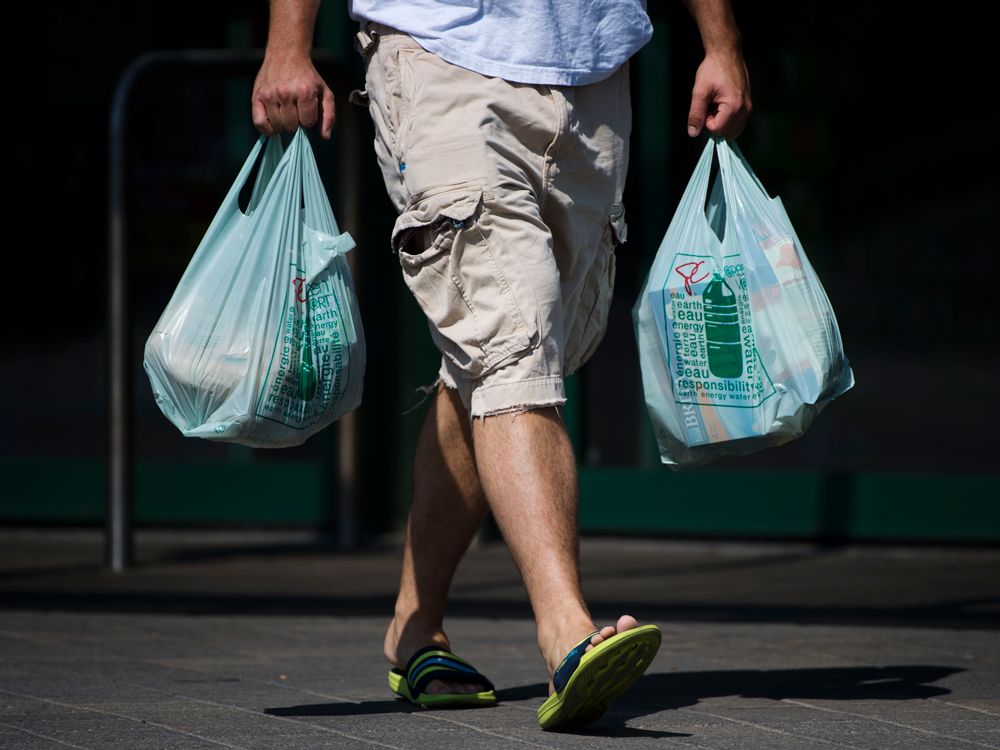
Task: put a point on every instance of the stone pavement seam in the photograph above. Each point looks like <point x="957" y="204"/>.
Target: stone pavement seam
<point x="766" y="728"/>
<point x="507" y="737"/>
<point x="931" y="732"/>
<point x="523" y="708"/>
<point x="322" y="728"/>
<point x="417" y="714"/>
<point x="955" y="704"/>
<point x="44" y="736"/>
<point x="80" y="707"/>
<point x="268" y="683"/>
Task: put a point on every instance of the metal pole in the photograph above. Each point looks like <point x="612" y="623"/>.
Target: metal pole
<point x="118" y="531"/>
<point x="118" y="543"/>
<point x="348" y="182"/>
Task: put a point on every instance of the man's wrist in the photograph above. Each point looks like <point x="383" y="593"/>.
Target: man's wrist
<point x="728" y="45"/>
<point x="286" y="54"/>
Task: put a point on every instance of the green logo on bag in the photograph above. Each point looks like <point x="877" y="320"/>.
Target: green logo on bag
<point x="708" y="337"/>
<point x="307" y="372"/>
<point x="722" y="329"/>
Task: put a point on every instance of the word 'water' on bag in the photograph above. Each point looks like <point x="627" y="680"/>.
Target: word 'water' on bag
<point x="739" y="346"/>
<point x="261" y="343"/>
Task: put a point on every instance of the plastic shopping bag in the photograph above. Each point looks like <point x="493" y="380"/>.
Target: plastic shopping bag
<point x="739" y="346"/>
<point x="261" y="343"/>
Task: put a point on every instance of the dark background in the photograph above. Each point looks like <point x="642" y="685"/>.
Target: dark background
<point x="873" y="122"/>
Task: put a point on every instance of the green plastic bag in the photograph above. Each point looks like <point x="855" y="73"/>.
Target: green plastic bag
<point x="261" y="343"/>
<point x="738" y="344"/>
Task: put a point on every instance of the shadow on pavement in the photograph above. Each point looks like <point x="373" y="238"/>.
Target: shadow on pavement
<point x="890" y="683"/>
<point x="665" y="691"/>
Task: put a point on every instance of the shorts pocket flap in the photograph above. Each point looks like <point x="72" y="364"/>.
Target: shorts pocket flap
<point x="616" y="216"/>
<point x="451" y="209"/>
<point x="459" y="160"/>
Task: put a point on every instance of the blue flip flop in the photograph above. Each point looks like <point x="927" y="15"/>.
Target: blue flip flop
<point x="586" y="682"/>
<point x="436" y="663"/>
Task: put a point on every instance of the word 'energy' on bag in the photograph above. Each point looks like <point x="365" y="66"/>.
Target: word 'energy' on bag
<point x="738" y="343"/>
<point x="261" y="343"/>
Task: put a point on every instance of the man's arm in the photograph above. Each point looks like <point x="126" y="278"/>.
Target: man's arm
<point x="720" y="100"/>
<point x="288" y="91"/>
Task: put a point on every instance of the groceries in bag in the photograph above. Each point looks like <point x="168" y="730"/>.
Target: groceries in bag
<point x="739" y="346"/>
<point x="261" y="343"/>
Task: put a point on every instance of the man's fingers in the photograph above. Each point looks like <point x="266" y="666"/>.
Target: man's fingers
<point x="696" y="115"/>
<point x="289" y="112"/>
<point x="308" y="109"/>
<point x="259" y="114"/>
<point x="273" y="110"/>
<point x="719" y="122"/>
<point x="729" y="119"/>
<point x="284" y="101"/>
<point x="329" y="113"/>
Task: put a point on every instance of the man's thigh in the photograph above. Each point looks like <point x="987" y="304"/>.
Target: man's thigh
<point x="470" y="163"/>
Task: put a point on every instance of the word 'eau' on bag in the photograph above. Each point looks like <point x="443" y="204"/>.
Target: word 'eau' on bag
<point x="738" y="344"/>
<point x="261" y="343"/>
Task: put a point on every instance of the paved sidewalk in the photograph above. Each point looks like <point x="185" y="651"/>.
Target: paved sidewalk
<point x="274" y="641"/>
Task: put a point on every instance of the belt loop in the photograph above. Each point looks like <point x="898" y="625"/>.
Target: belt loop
<point x="366" y="41"/>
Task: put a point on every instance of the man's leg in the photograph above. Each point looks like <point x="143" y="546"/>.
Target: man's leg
<point x="448" y="508"/>
<point x="528" y="472"/>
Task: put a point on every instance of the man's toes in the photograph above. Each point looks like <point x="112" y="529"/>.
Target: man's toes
<point x="626" y="622"/>
<point x="606" y="632"/>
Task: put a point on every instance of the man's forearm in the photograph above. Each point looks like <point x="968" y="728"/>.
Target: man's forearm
<point x="291" y="26"/>
<point x="716" y="24"/>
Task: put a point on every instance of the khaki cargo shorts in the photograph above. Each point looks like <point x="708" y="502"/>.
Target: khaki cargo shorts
<point x="510" y="209"/>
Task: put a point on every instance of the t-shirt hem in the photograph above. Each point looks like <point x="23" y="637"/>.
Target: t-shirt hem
<point x="531" y="74"/>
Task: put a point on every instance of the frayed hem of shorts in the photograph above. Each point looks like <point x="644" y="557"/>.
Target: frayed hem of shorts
<point x="428" y="391"/>
<point x="523" y="408"/>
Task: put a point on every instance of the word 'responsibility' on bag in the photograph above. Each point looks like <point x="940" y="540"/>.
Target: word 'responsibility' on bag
<point x="261" y="343"/>
<point x="738" y="343"/>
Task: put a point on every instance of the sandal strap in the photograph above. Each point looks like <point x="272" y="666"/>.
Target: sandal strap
<point x="570" y="662"/>
<point x="436" y="663"/>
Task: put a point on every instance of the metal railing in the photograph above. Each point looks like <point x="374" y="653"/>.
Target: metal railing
<point x="118" y="528"/>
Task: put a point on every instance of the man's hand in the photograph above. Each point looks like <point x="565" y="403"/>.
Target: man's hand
<point x="720" y="100"/>
<point x="288" y="93"/>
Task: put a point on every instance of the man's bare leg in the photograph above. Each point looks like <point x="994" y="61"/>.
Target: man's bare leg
<point x="536" y="512"/>
<point x="528" y="472"/>
<point x="448" y="508"/>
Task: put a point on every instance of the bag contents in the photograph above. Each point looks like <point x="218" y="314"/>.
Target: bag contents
<point x="739" y="346"/>
<point x="261" y="343"/>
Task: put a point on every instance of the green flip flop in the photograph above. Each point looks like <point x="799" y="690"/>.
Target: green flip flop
<point x="436" y="663"/>
<point x="586" y="682"/>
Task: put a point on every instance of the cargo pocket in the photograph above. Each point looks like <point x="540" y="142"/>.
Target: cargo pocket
<point x="591" y="321"/>
<point x="454" y="267"/>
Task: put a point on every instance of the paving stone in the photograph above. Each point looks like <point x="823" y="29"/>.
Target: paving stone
<point x="764" y="647"/>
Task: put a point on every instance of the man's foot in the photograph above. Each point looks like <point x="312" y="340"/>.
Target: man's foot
<point x="592" y="675"/>
<point x="402" y="641"/>
<point x="562" y="644"/>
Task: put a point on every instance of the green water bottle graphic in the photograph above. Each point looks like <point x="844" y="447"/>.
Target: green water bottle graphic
<point x="722" y="329"/>
<point x="307" y="372"/>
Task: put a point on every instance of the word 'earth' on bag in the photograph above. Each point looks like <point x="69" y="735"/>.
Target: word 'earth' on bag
<point x="739" y="346"/>
<point x="261" y="343"/>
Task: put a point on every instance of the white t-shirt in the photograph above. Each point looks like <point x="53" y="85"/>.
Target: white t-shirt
<point x="556" y="42"/>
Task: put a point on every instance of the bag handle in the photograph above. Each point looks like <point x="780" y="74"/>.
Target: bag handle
<point x="749" y="170"/>
<point x="273" y="154"/>
<point x="696" y="191"/>
<point x="231" y="204"/>
<point x="730" y="149"/>
<point x="317" y="205"/>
